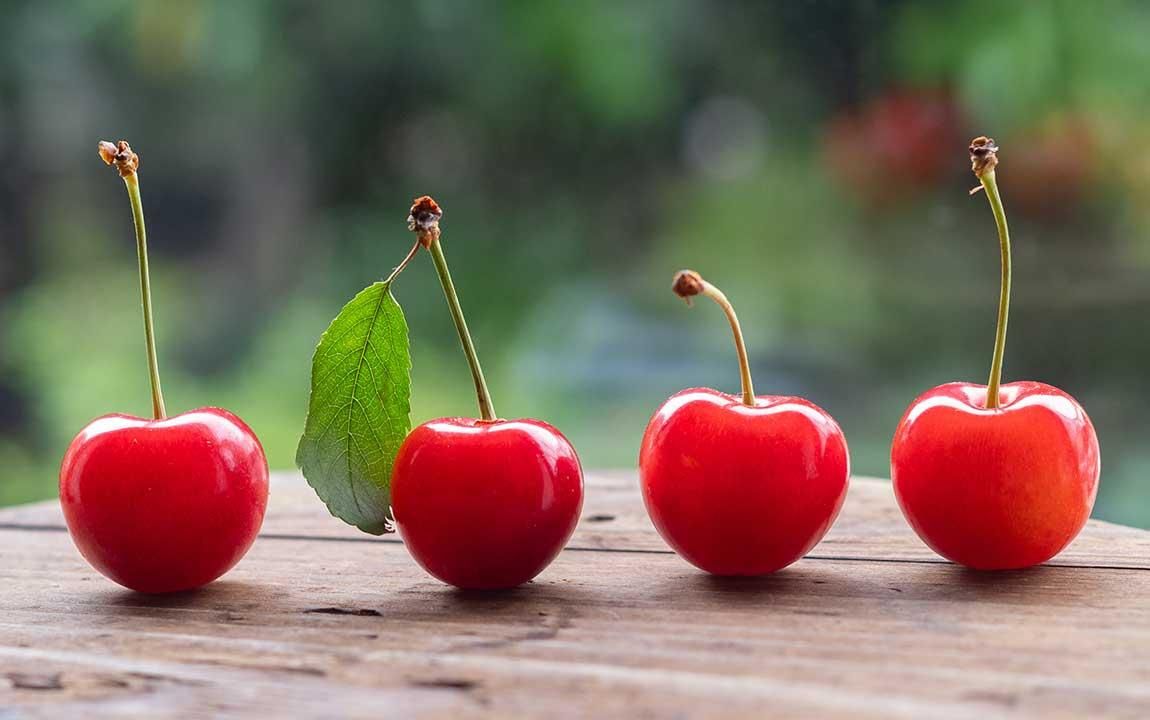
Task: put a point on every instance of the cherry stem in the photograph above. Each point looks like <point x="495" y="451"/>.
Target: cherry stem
<point x="689" y="283"/>
<point x="403" y="264"/>
<point x="125" y="161"/>
<point x="158" y="411"/>
<point x="983" y="161"/>
<point x="486" y="407"/>
<point x="423" y="220"/>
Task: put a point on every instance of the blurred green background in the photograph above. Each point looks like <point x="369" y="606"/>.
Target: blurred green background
<point x="807" y="157"/>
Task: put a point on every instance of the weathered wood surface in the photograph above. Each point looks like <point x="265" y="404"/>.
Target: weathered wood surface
<point x="322" y="621"/>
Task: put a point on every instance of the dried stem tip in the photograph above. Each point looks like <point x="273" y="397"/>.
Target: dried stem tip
<point x="423" y="219"/>
<point x="687" y="284"/>
<point x="120" y="156"/>
<point x="983" y="155"/>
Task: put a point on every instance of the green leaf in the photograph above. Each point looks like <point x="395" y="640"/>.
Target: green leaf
<point x="359" y="410"/>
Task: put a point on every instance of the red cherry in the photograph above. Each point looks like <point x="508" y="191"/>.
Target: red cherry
<point x="167" y="504"/>
<point x="740" y="490"/>
<point x="484" y="505"/>
<point x="164" y="505"/>
<point x="996" y="489"/>
<point x="995" y="477"/>
<point x="481" y="503"/>
<point x="741" y="486"/>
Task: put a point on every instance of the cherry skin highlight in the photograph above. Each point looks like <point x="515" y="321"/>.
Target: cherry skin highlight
<point x="740" y="490"/>
<point x="164" y="505"/>
<point x="486" y="504"/>
<point x="996" y="489"/>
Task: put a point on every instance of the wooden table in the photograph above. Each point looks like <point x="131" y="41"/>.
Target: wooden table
<point x="322" y="621"/>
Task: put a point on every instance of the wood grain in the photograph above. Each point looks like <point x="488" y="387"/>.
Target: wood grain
<point x="869" y="527"/>
<point x="321" y="621"/>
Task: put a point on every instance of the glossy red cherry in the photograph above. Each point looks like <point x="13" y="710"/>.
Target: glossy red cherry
<point x="741" y="486"/>
<point x="994" y="476"/>
<point x="996" y="489"/>
<point x="164" y="505"/>
<point x="740" y="490"/>
<point x="481" y="503"/>
<point x="486" y="505"/>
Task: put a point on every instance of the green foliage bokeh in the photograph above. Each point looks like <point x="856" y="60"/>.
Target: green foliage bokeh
<point x="583" y="152"/>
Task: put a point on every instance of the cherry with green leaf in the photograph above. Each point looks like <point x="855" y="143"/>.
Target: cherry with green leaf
<point x="168" y="503"/>
<point x="996" y="476"/>
<point x="481" y="503"/>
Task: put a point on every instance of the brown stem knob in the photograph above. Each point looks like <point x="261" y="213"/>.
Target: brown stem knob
<point x="120" y="156"/>
<point x="423" y="220"/>
<point x="983" y="155"/>
<point x="687" y="284"/>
